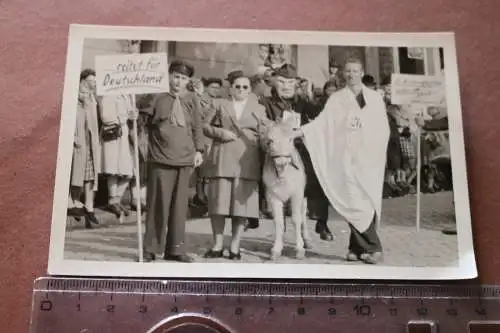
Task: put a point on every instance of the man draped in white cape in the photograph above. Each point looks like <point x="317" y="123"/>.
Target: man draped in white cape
<point x="347" y="144"/>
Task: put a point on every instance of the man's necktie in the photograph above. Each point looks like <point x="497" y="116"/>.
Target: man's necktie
<point x="177" y="116"/>
<point x="361" y="100"/>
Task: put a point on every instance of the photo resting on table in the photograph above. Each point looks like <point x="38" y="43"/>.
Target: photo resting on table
<point x="261" y="154"/>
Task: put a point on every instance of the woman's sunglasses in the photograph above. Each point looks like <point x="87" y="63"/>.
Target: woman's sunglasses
<point x="241" y="87"/>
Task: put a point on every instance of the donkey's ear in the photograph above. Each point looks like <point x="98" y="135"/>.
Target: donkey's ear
<point x="296" y="160"/>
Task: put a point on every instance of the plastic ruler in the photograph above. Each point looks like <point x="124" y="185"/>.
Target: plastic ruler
<point x="80" y="305"/>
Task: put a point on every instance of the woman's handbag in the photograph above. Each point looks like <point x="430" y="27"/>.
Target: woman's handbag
<point x="111" y="132"/>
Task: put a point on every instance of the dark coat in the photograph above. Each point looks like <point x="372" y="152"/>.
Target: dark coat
<point x="394" y="154"/>
<point x="169" y="144"/>
<point x="275" y="106"/>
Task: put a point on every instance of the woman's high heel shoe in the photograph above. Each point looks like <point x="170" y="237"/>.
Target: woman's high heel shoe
<point x="234" y="256"/>
<point x="115" y="209"/>
<point x="90" y="216"/>
<point x="88" y="225"/>
<point x="213" y="254"/>
<point x="124" y="210"/>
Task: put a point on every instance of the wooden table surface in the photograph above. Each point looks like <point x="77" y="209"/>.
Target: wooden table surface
<point x="33" y="37"/>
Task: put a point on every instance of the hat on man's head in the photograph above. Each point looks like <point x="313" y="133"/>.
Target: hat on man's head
<point x="368" y="80"/>
<point x="287" y="71"/>
<point x="211" y="80"/>
<point x="256" y="79"/>
<point x="181" y="67"/>
<point x="232" y="76"/>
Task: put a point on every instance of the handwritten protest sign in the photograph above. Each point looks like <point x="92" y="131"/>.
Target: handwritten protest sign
<point x="130" y="74"/>
<point x="407" y="89"/>
<point x="140" y="73"/>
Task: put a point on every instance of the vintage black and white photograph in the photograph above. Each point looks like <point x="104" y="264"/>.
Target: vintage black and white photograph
<point x="261" y="154"/>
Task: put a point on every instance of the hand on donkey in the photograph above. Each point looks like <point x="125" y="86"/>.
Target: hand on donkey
<point x="227" y="135"/>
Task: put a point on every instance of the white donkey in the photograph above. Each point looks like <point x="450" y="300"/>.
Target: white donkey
<point x="285" y="179"/>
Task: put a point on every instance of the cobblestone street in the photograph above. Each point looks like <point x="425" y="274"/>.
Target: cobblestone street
<point x="403" y="245"/>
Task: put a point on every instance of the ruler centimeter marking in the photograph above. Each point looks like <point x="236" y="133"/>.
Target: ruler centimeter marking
<point x="259" y="305"/>
<point x="301" y="290"/>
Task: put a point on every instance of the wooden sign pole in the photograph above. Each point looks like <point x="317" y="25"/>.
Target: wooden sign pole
<point x="419" y="176"/>
<point x="137" y="182"/>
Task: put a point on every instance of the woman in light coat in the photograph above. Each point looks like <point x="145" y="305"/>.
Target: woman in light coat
<point x="233" y="168"/>
<point x="86" y="162"/>
<point x="117" y="153"/>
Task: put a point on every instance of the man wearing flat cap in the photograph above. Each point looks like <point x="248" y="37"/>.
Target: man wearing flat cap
<point x="175" y="148"/>
<point x="285" y="102"/>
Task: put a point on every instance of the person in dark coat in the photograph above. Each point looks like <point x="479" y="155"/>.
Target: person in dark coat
<point x="437" y="123"/>
<point x="318" y="203"/>
<point x="175" y="148"/>
<point x="211" y="93"/>
<point x="394" y="155"/>
<point x="86" y="160"/>
<point x="144" y="102"/>
<point x="283" y="104"/>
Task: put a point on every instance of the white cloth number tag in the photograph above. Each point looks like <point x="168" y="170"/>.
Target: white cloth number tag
<point x="354" y="123"/>
<point x="287" y="115"/>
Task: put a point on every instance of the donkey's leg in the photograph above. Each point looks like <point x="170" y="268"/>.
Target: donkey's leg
<point x="277" y="209"/>
<point x="305" y="232"/>
<point x="297" y="205"/>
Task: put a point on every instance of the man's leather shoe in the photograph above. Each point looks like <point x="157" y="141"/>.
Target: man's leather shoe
<point x="148" y="257"/>
<point x="179" y="257"/>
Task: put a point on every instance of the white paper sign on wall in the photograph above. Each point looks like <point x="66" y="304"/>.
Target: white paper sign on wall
<point x="408" y="89"/>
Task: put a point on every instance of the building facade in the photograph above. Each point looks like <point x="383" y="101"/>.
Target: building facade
<point x="312" y="61"/>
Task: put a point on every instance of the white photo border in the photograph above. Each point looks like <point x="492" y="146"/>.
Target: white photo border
<point x="57" y="265"/>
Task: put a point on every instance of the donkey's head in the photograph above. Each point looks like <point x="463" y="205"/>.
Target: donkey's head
<point x="278" y="142"/>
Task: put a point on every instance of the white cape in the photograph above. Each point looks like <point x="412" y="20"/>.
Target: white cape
<point x="348" y="149"/>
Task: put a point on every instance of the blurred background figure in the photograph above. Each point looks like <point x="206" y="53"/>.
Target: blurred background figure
<point x="259" y="87"/>
<point x="212" y="91"/>
<point x="86" y="151"/>
<point x="369" y="81"/>
<point x="213" y="86"/>
<point x="144" y="103"/>
<point x="277" y="56"/>
<point x="117" y="153"/>
<point x="328" y="89"/>
<point x="196" y="86"/>
<point x="304" y="90"/>
<point x="335" y="74"/>
<point x="395" y="176"/>
<point x="436" y="157"/>
<point x="385" y="89"/>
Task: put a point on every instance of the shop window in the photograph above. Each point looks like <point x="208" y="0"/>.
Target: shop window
<point x="409" y="64"/>
<point x="148" y="46"/>
<point x="441" y="57"/>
